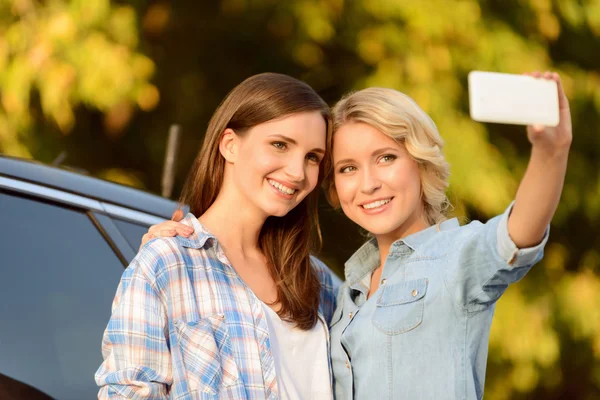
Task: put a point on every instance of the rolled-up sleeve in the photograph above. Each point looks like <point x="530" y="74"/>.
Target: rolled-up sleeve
<point x="135" y="345"/>
<point x="509" y="252"/>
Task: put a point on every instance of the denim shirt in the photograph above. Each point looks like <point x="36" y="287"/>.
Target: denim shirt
<point x="185" y="326"/>
<point x="424" y="333"/>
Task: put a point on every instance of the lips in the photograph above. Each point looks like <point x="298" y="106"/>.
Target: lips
<point x="284" y="189"/>
<point x="374" y="204"/>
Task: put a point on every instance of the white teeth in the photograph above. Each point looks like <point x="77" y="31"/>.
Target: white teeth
<point x="376" y="204"/>
<point x="281" y="188"/>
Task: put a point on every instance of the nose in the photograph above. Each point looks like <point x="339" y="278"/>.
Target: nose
<point x="295" y="169"/>
<point x="369" y="182"/>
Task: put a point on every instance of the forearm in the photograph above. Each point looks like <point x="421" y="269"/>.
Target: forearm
<point x="137" y="358"/>
<point x="538" y="196"/>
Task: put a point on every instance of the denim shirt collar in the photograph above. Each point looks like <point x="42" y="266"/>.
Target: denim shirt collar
<point x="200" y="237"/>
<point x="366" y="258"/>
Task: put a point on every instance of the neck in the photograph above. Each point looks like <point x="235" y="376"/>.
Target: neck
<point x="414" y="224"/>
<point x="236" y="227"/>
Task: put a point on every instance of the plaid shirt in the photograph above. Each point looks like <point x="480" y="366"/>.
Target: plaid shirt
<point x="185" y="326"/>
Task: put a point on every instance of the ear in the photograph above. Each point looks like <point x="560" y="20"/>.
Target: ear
<point x="229" y="145"/>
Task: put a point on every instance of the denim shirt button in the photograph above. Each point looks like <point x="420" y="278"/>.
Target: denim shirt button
<point x="347" y="365"/>
<point x="350" y="315"/>
<point x="415" y="292"/>
<point x="383" y="281"/>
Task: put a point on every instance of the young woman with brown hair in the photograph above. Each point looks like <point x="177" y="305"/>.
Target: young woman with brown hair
<point x="229" y="311"/>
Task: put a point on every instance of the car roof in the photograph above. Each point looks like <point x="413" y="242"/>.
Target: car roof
<point x="77" y="183"/>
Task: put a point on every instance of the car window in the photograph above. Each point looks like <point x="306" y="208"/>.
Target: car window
<point x="132" y="232"/>
<point x="59" y="277"/>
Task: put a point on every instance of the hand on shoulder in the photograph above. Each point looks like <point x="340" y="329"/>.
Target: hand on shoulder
<point x="169" y="228"/>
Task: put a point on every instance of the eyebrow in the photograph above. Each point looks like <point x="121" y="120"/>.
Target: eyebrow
<point x="292" y="141"/>
<point x="384" y="150"/>
<point x="375" y="153"/>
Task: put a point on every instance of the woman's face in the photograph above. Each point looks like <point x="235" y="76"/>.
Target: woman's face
<point x="377" y="182"/>
<point x="277" y="164"/>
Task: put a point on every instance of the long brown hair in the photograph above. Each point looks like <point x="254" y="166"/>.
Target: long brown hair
<point x="288" y="241"/>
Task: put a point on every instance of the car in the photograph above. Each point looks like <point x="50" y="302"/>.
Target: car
<point x="64" y="243"/>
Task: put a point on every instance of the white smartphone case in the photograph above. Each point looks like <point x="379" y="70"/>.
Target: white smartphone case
<point x="512" y="99"/>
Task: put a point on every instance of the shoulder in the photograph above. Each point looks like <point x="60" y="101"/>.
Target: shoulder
<point x="472" y="240"/>
<point x="330" y="283"/>
<point x="161" y="252"/>
<point x="318" y="266"/>
<point x="325" y="275"/>
<point x="157" y="258"/>
<point x="462" y="233"/>
<point x="475" y="227"/>
<point x="328" y="291"/>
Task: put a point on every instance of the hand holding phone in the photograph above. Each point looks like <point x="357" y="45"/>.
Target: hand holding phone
<point x="513" y="99"/>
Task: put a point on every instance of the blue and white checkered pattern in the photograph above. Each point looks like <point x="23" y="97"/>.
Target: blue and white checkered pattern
<point x="185" y="326"/>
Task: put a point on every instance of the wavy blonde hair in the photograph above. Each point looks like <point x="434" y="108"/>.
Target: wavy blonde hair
<point x="398" y="116"/>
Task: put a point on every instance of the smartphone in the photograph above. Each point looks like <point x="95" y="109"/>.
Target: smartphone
<point x="513" y="99"/>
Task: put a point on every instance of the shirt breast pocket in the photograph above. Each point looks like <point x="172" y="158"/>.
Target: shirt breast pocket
<point x="400" y="306"/>
<point x="207" y="354"/>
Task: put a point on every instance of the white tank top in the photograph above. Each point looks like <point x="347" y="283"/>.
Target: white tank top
<point x="301" y="359"/>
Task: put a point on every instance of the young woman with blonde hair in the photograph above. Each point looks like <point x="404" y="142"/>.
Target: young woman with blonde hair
<point x="414" y="315"/>
<point x="239" y="309"/>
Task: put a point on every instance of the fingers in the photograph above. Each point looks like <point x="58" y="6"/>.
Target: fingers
<point x="166" y="233"/>
<point x="145" y="239"/>
<point x="171" y="226"/>
<point x="168" y="229"/>
<point x="537" y="128"/>
<point x="563" y="102"/>
<point x="538" y="74"/>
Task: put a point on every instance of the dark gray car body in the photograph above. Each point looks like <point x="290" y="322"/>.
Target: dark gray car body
<point x="65" y="239"/>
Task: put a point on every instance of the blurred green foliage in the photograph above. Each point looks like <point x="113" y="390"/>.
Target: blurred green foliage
<point x="74" y="77"/>
<point x="67" y="54"/>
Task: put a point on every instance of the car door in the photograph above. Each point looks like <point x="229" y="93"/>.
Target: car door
<point x="61" y="260"/>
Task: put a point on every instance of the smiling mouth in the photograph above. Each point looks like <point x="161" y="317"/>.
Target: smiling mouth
<point x="282" y="188"/>
<point x="376" y="204"/>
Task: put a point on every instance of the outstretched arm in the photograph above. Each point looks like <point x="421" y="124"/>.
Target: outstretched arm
<point x="539" y="192"/>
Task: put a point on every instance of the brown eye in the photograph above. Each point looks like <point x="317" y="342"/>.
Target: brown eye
<point x="348" y="168"/>
<point x="279" y="145"/>
<point x="313" y="157"/>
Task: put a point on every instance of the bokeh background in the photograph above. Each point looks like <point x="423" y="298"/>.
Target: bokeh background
<point x="99" y="82"/>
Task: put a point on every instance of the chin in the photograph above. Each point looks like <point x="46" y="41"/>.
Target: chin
<point x="277" y="211"/>
<point x="280" y="214"/>
<point x="379" y="228"/>
<point x="378" y="231"/>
